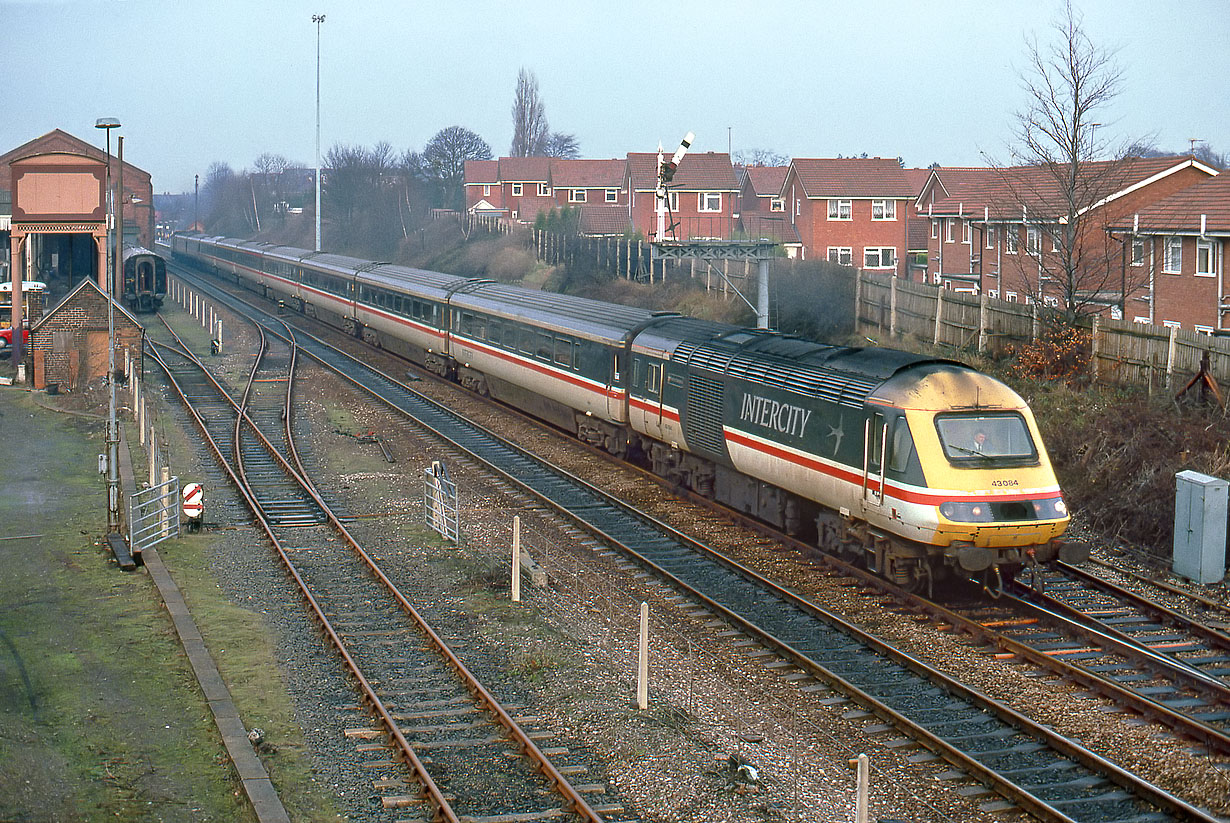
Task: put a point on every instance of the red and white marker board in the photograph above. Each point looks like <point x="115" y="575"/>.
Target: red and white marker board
<point x="194" y="500"/>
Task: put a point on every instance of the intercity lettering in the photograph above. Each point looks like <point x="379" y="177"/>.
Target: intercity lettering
<point x="771" y="414"/>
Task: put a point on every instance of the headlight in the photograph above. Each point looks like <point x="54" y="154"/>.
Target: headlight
<point x="984" y="511"/>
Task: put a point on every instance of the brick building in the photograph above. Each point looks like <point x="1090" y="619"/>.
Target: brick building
<point x="1002" y="230"/>
<point x="701" y="196"/>
<point x="1177" y="247"/>
<point x="851" y="211"/>
<point x="68" y="345"/>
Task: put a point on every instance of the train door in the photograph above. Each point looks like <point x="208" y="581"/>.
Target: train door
<point x="615" y="403"/>
<point x="875" y="442"/>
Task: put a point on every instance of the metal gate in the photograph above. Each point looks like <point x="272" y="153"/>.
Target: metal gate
<point x="440" y="501"/>
<point x="153" y="515"/>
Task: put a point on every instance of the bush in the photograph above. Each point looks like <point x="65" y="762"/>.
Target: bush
<point x="1059" y="354"/>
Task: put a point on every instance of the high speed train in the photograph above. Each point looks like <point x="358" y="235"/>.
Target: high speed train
<point x="922" y="467"/>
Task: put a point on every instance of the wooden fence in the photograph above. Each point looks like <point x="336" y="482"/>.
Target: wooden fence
<point x="1121" y="351"/>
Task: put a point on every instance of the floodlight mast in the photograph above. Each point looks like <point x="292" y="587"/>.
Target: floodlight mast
<point x="666" y="173"/>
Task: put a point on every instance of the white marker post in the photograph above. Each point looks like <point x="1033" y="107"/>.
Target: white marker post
<point x="864" y="787"/>
<point x="642" y="668"/>
<point x="516" y="559"/>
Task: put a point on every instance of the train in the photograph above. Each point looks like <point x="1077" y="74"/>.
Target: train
<point x="143" y="286"/>
<point x="920" y="467"/>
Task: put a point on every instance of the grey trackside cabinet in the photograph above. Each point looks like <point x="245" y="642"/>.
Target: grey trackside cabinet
<point x="1199" y="527"/>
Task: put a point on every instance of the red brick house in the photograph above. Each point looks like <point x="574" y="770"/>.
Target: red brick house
<point x="588" y="182"/>
<point x="851" y="211"/>
<point x="1000" y="230"/>
<point x="1177" y="246"/>
<point x="701" y="196"/>
<point x="525" y="186"/>
<point x="761" y="189"/>
<point x="482" y="186"/>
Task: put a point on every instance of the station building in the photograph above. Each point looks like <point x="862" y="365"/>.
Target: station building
<point x="53" y="213"/>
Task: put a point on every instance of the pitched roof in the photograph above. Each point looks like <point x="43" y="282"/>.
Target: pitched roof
<point x="766" y="181"/>
<point x="605" y="220"/>
<point x="87" y="284"/>
<point x="58" y="141"/>
<point x="524" y="169"/>
<point x="707" y="171"/>
<point x="917" y="178"/>
<point x="1181" y="212"/>
<point x="587" y="174"/>
<point x="852" y="177"/>
<point x="917" y="233"/>
<point x="482" y="172"/>
<point x="1006" y="192"/>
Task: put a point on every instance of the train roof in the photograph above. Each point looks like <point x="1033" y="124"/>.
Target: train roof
<point x="839" y="374"/>
<point x="422" y="282"/>
<point x="610" y="323"/>
<point x="135" y="251"/>
<point x="663" y="336"/>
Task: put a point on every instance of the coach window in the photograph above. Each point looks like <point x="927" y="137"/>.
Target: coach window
<point x="527" y="341"/>
<point x="563" y="352"/>
<point x="545" y="346"/>
<point x="653" y="378"/>
<point x="875" y="453"/>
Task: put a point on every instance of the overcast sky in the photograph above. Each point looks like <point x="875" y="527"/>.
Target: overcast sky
<point x="195" y="82"/>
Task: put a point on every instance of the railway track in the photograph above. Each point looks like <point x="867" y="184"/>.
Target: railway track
<point x="457" y="753"/>
<point x="1036" y="769"/>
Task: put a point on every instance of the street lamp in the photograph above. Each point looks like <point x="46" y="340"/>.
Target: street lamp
<point x="113" y="432"/>
<point x="318" y="19"/>
<point x="196" y="200"/>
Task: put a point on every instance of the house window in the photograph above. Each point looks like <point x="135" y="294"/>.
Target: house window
<point x="1172" y="324"/>
<point x="544" y="190"/>
<point x="576" y="196"/>
<point x="948" y="221"/>
<point x="612" y="195"/>
<point x="672" y="200"/>
<point x="879" y="257"/>
<point x="486" y="191"/>
<point x="777" y="204"/>
<point x="516" y="189"/>
<point x="1138" y="251"/>
<point x="1010" y="296"/>
<point x="1055" y="239"/>
<point x="798" y="206"/>
<point x="841" y="255"/>
<point x="965" y="231"/>
<point x="709" y="201"/>
<point x="1173" y="264"/>
<point x="1203" y="329"/>
<point x="839" y="209"/>
<point x="935" y="230"/>
<point x="1033" y="240"/>
<point x="989" y="231"/>
<point x="883" y="209"/>
<point x="1206" y="258"/>
<point x="1010" y="239"/>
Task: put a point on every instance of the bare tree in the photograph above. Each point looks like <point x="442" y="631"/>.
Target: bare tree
<point x="531" y="134"/>
<point x="759" y="157"/>
<point x="444" y="161"/>
<point x="562" y="145"/>
<point x="1058" y="183"/>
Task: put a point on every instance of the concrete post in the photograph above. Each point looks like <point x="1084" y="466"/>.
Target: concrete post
<point x="642" y="668"/>
<point x="516" y="559"/>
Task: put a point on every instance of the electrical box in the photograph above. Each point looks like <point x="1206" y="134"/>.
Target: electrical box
<point x="1200" y="527"/>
